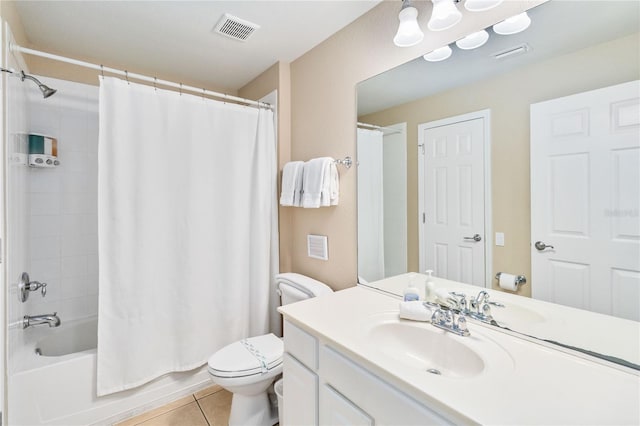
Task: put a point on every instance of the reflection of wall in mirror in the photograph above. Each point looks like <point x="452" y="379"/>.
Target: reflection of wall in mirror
<point x="509" y="96"/>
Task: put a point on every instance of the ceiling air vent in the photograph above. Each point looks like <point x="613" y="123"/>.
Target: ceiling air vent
<point x="513" y="51"/>
<point x="235" y="28"/>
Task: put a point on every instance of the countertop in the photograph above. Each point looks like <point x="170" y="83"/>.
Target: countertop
<point x="604" y="334"/>
<point x="522" y="382"/>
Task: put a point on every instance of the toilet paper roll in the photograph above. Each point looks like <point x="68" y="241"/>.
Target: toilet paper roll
<point x="508" y="282"/>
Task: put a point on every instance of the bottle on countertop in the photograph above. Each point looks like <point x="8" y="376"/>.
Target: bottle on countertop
<point x="411" y="292"/>
<point x="429" y="287"/>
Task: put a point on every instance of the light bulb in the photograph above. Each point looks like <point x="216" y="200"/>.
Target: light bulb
<point x="481" y="5"/>
<point x="473" y="40"/>
<point x="439" y="54"/>
<point x="444" y="15"/>
<point x="513" y="25"/>
<point x="409" y="33"/>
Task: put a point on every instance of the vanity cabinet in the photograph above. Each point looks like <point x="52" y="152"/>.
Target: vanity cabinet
<point x="324" y="386"/>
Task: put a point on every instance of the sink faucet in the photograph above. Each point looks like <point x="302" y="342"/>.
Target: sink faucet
<point x="450" y="320"/>
<point x="480" y="307"/>
<point x="51" y="319"/>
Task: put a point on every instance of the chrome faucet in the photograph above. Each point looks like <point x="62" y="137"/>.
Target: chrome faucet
<point x="478" y="308"/>
<point x="450" y="320"/>
<point x="51" y="319"/>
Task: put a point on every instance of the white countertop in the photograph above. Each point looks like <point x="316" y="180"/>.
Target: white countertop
<point x="525" y="383"/>
<point x="587" y="330"/>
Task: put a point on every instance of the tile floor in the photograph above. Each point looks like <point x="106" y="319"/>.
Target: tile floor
<point x="208" y="407"/>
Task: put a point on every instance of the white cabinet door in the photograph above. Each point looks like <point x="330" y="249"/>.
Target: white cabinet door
<point x="336" y="410"/>
<point x="300" y="405"/>
<point x="585" y="200"/>
<point x="453" y="197"/>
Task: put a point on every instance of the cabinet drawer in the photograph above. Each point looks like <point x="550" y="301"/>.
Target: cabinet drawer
<point x="300" y="391"/>
<point x="379" y="399"/>
<point x="301" y="344"/>
<point x="336" y="410"/>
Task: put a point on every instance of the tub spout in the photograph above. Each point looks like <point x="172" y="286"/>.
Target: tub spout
<point x="51" y="319"/>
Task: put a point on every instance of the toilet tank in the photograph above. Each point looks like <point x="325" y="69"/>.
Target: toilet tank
<point x="296" y="287"/>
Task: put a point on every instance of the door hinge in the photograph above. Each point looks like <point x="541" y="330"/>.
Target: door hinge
<point x="424" y="218"/>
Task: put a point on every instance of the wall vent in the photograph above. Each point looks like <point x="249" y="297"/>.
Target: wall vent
<point x="317" y="247"/>
<point x="512" y="51"/>
<point x="235" y="28"/>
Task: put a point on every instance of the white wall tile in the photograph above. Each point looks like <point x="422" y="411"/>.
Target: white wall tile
<point x="63" y="220"/>
<point x="45" y="270"/>
<point x="45" y="248"/>
<point x="73" y="244"/>
<point x="73" y="266"/>
<point x="45" y="225"/>
<point x="75" y="182"/>
<point x="44" y="204"/>
<point x="45" y="180"/>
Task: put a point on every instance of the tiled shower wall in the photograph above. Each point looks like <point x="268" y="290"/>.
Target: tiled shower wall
<point x="63" y="219"/>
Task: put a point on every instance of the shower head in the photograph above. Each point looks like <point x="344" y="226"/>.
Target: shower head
<point x="46" y="90"/>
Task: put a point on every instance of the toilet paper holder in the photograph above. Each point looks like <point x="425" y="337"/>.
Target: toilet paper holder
<point x="520" y="279"/>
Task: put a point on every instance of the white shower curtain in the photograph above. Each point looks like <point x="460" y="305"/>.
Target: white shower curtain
<point x="185" y="210"/>
<point x="370" y="205"/>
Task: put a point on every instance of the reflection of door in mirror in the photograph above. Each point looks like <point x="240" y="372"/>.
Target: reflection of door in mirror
<point x="585" y="199"/>
<point x="452" y="197"/>
<point x="382" y="201"/>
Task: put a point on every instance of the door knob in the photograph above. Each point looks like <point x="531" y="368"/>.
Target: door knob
<point x="476" y="237"/>
<point x="541" y="246"/>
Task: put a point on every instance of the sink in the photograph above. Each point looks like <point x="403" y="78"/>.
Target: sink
<point x="515" y="316"/>
<point x="425" y="349"/>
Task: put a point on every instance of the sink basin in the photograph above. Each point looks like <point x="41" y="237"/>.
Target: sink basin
<point x="515" y="316"/>
<point x="426" y="349"/>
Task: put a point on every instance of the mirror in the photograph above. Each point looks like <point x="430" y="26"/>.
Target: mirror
<point x="569" y="48"/>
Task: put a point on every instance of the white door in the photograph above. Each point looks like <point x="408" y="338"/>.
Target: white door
<point x="585" y="200"/>
<point x="452" y="199"/>
<point x="370" y="206"/>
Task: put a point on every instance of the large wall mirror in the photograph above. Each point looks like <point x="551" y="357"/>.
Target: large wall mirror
<point x="564" y="173"/>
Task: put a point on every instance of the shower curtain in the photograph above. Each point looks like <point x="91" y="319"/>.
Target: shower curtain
<point x="186" y="206"/>
<point x="370" y="205"/>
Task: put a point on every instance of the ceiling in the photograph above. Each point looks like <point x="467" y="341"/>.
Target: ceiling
<point x="557" y="27"/>
<point x="175" y="39"/>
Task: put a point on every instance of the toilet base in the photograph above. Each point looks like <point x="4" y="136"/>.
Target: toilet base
<point x="251" y="410"/>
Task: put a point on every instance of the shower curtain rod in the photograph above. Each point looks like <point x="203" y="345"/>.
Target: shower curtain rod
<point x="127" y="75"/>
<point x="375" y="127"/>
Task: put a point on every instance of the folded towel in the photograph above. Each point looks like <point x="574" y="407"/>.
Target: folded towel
<point x="415" y="310"/>
<point x="325" y="193"/>
<point x="315" y="182"/>
<point x="334" y="184"/>
<point x="291" y="193"/>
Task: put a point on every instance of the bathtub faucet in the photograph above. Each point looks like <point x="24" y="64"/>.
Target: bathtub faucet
<point x="51" y="319"/>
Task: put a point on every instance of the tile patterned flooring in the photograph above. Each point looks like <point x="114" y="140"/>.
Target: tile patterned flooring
<point x="208" y="407"/>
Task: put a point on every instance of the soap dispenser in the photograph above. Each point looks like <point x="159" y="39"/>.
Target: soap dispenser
<point x="411" y="292"/>
<point x="429" y="287"/>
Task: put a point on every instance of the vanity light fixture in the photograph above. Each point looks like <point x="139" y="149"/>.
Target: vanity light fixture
<point x="473" y="40"/>
<point x="513" y="25"/>
<point x="481" y="5"/>
<point x="409" y="33"/>
<point x="444" y="15"/>
<point x="439" y="54"/>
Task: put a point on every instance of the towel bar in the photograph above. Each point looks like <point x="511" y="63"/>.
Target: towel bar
<point x="347" y="162"/>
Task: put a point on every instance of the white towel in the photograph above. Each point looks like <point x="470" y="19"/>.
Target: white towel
<point x="315" y="182"/>
<point x="334" y="184"/>
<point x="291" y="193"/>
<point x="415" y="310"/>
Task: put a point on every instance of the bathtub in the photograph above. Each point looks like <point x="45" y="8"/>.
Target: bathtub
<point x="58" y="387"/>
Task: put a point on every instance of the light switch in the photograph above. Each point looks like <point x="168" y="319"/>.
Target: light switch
<point x="500" y="239"/>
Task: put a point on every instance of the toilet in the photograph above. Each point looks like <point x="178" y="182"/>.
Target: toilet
<point x="248" y="368"/>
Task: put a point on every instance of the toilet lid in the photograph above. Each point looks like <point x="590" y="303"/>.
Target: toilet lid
<point x="255" y="355"/>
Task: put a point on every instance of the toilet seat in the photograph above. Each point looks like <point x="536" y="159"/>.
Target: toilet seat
<point x="253" y="356"/>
